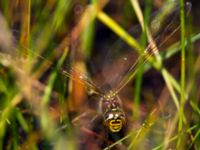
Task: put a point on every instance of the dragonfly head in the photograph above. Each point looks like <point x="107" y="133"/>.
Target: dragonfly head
<point x="114" y="120"/>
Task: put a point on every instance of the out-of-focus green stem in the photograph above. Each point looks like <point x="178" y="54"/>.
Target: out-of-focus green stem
<point x="182" y="96"/>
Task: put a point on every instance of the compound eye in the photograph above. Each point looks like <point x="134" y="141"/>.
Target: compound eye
<point x="122" y="116"/>
<point x="109" y="116"/>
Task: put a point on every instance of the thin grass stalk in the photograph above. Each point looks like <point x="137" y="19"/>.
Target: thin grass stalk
<point x="144" y="130"/>
<point x="88" y="34"/>
<point x="161" y="146"/>
<point x="103" y="17"/>
<point x="51" y="25"/>
<point x="47" y="123"/>
<point x="139" y="75"/>
<point x="182" y="96"/>
<point x="25" y="25"/>
<point x="138" y="12"/>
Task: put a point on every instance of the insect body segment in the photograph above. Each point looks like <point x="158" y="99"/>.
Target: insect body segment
<point x="114" y="116"/>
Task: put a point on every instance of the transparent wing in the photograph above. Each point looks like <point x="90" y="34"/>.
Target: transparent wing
<point x="112" y="61"/>
<point x="73" y="73"/>
<point x="120" y="66"/>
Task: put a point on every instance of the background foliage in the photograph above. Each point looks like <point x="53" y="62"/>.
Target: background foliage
<point x="51" y="51"/>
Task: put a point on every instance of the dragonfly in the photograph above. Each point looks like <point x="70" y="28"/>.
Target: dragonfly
<point x="110" y="105"/>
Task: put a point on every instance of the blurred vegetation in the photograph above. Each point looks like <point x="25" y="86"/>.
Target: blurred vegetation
<point x="55" y="56"/>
